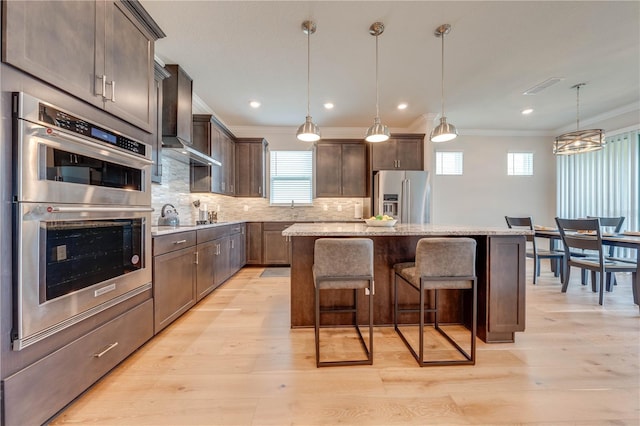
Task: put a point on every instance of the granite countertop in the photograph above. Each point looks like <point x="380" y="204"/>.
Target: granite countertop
<point x="347" y="229"/>
<point x="164" y="230"/>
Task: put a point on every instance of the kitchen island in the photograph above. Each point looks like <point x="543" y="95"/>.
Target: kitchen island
<point x="500" y="268"/>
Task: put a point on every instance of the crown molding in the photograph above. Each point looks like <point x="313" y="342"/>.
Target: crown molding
<point x="585" y="123"/>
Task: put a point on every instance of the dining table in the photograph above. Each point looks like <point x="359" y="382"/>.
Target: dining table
<point x="627" y="239"/>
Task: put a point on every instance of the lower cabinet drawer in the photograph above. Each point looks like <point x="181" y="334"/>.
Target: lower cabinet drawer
<point x="34" y="394"/>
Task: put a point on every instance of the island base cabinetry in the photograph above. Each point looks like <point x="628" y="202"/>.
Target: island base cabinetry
<point x="500" y="268"/>
<point x="36" y="393"/>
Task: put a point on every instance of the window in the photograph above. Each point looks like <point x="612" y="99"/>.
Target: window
<point x="448" y="163"/>
<point x="291" y="177"/>
<point x="520" y="164"/>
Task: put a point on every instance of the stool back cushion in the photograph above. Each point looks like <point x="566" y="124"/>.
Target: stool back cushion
<point x="446" y="257"/>
<point x="338" y="257"/>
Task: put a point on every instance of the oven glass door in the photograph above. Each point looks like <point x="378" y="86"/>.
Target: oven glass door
<point x="75" y="261"/>
<point x="80" y="253"/>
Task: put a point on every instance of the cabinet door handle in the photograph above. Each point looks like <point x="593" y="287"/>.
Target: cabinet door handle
<point x="260" y="190"/>
<point x="197" y="258"/>
<point x="103" y="80"/>
<point x="180" y="242"/>
<point x="107" y="349"/>
<point x="112" y="83"/>
<point x="232" y="244"/>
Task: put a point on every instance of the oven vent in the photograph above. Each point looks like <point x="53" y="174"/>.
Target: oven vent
<point x="541" y="86"/>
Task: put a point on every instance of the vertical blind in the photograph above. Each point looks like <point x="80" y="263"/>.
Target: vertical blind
<point x="602" y="183"/>
<point x="291" y="176"/>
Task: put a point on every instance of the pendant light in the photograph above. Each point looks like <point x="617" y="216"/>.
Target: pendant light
<point x="308" y="132"/>
<point x="444" y="131"/>
<point x="581" y="140"/>
<point x="378" y="132"/>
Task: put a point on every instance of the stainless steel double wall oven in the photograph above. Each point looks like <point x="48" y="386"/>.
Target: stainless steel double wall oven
<point x="82" y="208"/>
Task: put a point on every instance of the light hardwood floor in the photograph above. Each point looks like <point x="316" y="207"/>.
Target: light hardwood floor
<point x="233" y="360"/>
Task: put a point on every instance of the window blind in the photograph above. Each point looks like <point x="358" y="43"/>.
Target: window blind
<point x="520" y="164"/>
<point x="291" y="177"/>
<point x="449" y="162"/>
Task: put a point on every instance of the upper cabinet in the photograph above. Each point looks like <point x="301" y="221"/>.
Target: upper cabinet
<point x="99" y="51"/>
<point x="400" y="152"/>
<point x="341" y="168"/>
<point x="212" y="138"/>
<point x="156" y="142"/>
<point x="250" y="170"/>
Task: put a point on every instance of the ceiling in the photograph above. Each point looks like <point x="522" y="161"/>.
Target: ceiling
<point x="237" y="51"/>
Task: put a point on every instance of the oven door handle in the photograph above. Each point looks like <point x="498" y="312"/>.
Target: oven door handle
<point x="49" y="134"/>
<point x="101" y="209"/>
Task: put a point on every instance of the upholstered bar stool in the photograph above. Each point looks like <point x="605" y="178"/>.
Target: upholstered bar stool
<point x="344" y="264"/>
<point x="440" y="264"/>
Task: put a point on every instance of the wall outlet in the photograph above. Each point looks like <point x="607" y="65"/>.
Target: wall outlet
<point x="325" y="207"/>
<point x="339" y="207"/>
<point x="245" y="208"/>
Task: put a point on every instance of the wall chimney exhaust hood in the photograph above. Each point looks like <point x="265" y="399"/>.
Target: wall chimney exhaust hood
<point x="176" y="119"/>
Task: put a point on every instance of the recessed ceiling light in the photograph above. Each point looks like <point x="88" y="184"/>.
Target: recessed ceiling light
<point x="403" y="105"/>
<point x="526" y="111"/>
<point x="328" y="105"/>
<point x="254" y="104"/>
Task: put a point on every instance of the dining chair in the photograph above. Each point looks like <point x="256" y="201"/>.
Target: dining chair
<point x="611" y="224"/>
<point x="534" y="253"/>
<point x="586" y="234"/>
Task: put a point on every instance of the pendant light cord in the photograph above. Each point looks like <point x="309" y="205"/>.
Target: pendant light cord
<point x="578" y="107"/>
<point x="377" y="96"/>
<point x="308" y="70"/>
<point x="442" y="77"/>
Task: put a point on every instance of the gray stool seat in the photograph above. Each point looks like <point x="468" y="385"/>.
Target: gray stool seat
<point x="440" y="264"/>
<point x="344" y="264"/>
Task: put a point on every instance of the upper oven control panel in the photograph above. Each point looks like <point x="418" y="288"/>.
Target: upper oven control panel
<point x="55" y="117"/>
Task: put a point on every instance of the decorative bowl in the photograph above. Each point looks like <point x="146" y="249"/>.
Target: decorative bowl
<point x="376" y="222"/>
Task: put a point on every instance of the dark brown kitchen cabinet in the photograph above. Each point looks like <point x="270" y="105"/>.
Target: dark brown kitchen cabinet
<point x="99" y="51"/>
<point x="211" y="138"/>
<point x="156" y="141"/>
<point x="174" y="276"/>
<point x="250" y="170"/>
<point x="275" y="247"/>
<point x="230" y="253"/>
<point x="341" y="169"/>
<point x="205" y="269"/>
<point x="254" y="243"/>
<point x="400" y="152"/>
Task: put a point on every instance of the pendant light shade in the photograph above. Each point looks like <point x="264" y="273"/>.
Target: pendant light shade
<point x="581" y="140"/>
<point x="378" y="132"/>
<point x="308" y="132"/>
<point x="444" y="131"/>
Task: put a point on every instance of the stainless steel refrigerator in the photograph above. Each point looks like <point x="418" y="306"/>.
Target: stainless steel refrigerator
<point x="405" y="195"/>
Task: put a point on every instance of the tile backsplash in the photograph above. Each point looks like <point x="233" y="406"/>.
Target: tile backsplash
<point x="174" y="190"/>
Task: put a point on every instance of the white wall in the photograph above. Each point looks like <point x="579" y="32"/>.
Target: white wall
<point x="484" y="194"/>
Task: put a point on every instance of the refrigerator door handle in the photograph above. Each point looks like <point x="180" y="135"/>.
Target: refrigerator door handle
<point x="403" y="202"/>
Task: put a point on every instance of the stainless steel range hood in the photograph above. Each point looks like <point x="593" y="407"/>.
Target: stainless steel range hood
<point x="175" y="148"/>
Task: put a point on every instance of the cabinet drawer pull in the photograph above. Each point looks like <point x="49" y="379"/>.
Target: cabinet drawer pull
<point x="107" y="349"/>
<point x="180" y="242"/>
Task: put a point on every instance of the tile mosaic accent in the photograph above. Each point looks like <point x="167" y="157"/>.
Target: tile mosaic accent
<point x="174" y="190"/>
